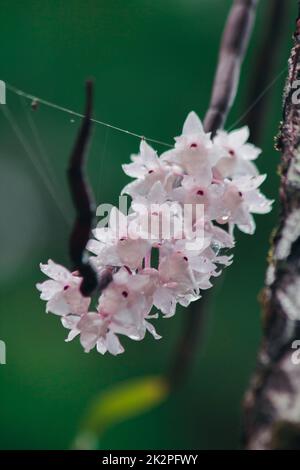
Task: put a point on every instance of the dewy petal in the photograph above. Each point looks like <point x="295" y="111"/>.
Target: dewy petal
<point x="247" y="183"/>
<point x="258" y="203"/>
<point x="192" y="124"/>
<point x="164" y="300"/>
<point x="222" y="237"/>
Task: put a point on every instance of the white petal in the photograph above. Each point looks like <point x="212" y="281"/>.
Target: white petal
<point x="250" y="152"/>
<point x="258" y="203"/>
<point x="134" y="170"/>
<point x="101" y="346"/>
<point x="70" y="322"/>
<point x="72" y="334"/>
<point x="58" y="305"/>
<point x="55" y="271"/>
<point x="152" y="330"/>
<point x="132" y="252"/>
<point x="248" y="183"/>
<point x="148" y="155"/>
<point x="248" y="228"/>
<point x="118" y="222"/>
<point x="192" y="124"/>
<point x="49" y="289"/>
<point x="238" y="137"/>
<point x="78" y="304"/>
<point x="113" y="344"/>
<point x="245" y="167"/>
<point x="165" y="301"/>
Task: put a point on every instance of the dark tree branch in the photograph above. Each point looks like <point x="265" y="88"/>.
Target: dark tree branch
<point x="188" y="341"/>
<point x="272" y="403"/>
<point x="275" y="21"/>
<point x="232" y="51"/>
<point x="83" y="202"/>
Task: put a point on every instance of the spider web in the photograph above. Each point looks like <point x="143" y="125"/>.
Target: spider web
<point x="25" y="117"/>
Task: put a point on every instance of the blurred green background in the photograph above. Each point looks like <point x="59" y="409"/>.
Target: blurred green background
<point x="153" y="62"/>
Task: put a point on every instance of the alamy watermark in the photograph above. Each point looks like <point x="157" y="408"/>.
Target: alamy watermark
<point x="295" y="357"/>
<point x="2" y="92"/>
<point x="2" y="352"/>
<point x="155" y="222"/>
<point x="296" y="93"/>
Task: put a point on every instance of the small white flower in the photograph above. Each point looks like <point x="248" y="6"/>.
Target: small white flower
<point x="94" y="331"/>
<point x="62" y="291"/>
<point x="194" y="151"/>
<point x="236" y="153"/>
<point x="157" y="259"/>
<point x="148" y="169"/>
<point x="118" y="244"/>
<point x="156" y="217"/>
<point x="241" y="198"/>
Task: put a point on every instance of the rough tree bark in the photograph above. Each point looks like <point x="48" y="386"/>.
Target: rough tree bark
<point x="272" y="403"/>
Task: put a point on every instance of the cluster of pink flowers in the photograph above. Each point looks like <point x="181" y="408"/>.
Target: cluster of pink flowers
<point x="153" y="272"/>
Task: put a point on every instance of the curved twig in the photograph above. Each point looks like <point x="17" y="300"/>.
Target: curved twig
<point x="232" y="51"/>
<point x="275" y="20"/>
<point x="84" y="204"/>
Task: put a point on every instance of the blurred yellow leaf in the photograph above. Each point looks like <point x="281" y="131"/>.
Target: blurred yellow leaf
<point x="123" y="401"/>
